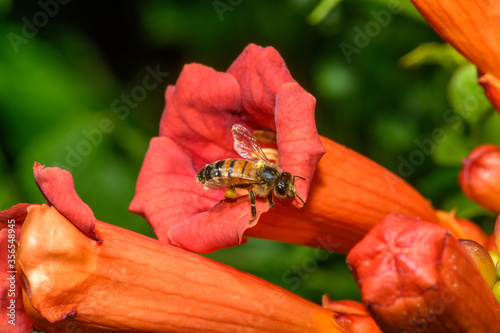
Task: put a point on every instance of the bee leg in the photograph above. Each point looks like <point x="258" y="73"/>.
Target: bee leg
<point x="271" y="201"/>
<point x="252" y="203"/>
<point x="229" y="194"/>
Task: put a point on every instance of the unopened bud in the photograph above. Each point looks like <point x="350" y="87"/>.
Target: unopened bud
<point x="480" y="176"/>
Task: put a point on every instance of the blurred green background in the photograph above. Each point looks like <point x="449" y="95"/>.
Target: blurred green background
<point x="384" y="81"/>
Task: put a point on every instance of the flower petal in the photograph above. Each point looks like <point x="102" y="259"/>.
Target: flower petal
<point x="480" y="176"/>
<point x="166" y="190"/>
<point x="414" y="276"/>
<point x="220" y="227"/>
<point x="462" y="228"/>
<point x="58" y="189"/>
<point x="131" y="283"/>
<point x="17" y="212"/>
<point x="300" y="147"/>
<point x="199" y="110"/>
<point x="351" y="316"/>
<point x="59" y="249"/>
<point x="14" y="317"/>
<point x="491" y="86"/>
<point x="180" y="211"/>
<point x="482" y="259"/>
<point x="470" y="26"/>
<point x="260" y="72"/>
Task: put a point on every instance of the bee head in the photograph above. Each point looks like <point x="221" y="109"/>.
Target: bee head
<point x="286" y="187"/>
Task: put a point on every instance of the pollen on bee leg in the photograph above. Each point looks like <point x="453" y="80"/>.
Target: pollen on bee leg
<point x="230" y="193"/>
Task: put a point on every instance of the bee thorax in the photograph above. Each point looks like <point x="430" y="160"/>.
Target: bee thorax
<point x="269" y="175"/>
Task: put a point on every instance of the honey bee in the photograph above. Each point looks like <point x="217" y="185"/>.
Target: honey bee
<point x="254" y="172"/>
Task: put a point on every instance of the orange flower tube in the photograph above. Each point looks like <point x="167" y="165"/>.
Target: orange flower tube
<point x="75" y="273"/>
<point x="131" y="283"/>
<point x="349" y="195"/>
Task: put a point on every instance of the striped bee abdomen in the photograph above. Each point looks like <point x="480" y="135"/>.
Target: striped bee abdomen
<point x="232" y="172"/>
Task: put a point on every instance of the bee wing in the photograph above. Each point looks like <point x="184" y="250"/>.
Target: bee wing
<point x="216" y="183"/>
<point x="219" y="183"/>
<point x="246" y="144"/>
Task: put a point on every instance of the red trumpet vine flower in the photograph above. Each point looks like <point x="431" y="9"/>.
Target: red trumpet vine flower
<point x="346" y="193"/>
<point x="480" y="176"/>
<point x="471" y="27"/>
<point x="415" y="277"/>
<point x="75" y="273"/>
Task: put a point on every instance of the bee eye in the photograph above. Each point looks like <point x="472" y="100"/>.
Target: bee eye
<point x="281" y="188"/>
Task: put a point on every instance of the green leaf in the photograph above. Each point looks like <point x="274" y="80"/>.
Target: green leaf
<point x="466" y="208"/>
<point x="334" y="81"/>
<point x="406" y="7"/>
<point x="9" y="192"/>
<point x="466" y="96"/>
<point x="5" y="7"/>
<point x="38" y="87"/>
<point x="490" y="130"/>
<point x="433" y="54"/>
<point x="451" y="147"/>
<point x="323" y="8"/>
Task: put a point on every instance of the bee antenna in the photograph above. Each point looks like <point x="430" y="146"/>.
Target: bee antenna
<point x="300" y="198"/>
<point x="295" y="176"/>
<point x="293" y="182"/>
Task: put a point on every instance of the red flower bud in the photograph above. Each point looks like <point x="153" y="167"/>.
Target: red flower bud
<point x="415" y="277"/>
<point x="480" y="176"/>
